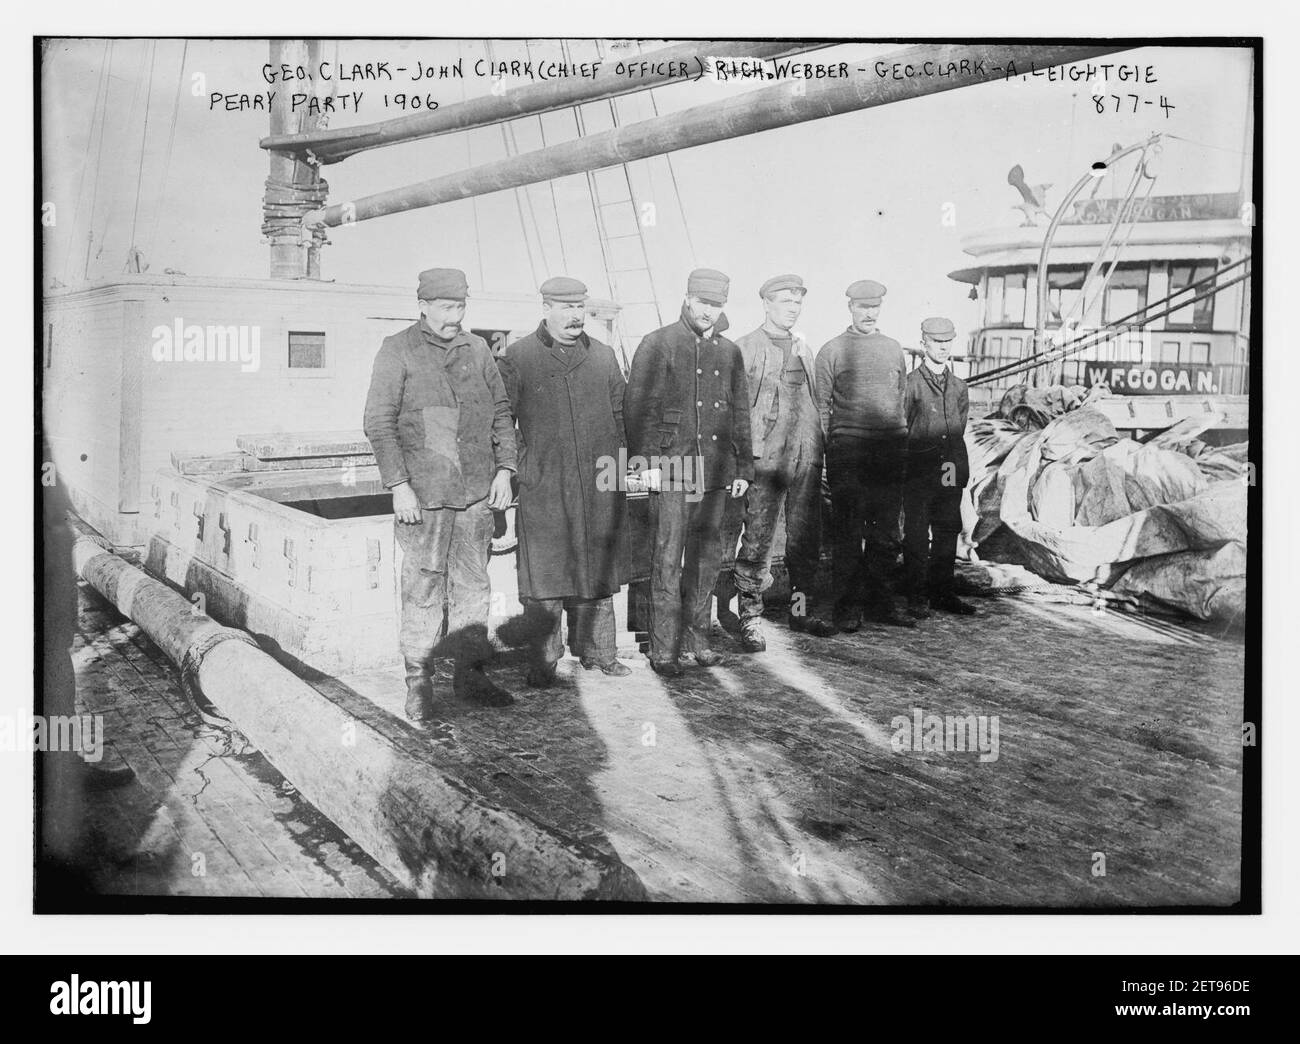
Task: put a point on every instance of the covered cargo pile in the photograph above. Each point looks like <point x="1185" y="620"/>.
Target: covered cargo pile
<point x="1160" y="522"/>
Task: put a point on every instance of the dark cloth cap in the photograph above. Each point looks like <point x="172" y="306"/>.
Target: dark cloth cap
<point x="782" y="282"/>
<point x="866" y="290"/>
<point x="446" y="283"/>
<point x="563" y="288"/>
<point x="938" y="329"/>
<point x="708" y="284"/>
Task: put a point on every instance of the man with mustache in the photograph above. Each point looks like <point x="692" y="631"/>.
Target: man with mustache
<point x="438" y="418"/>
<point x="861" y="375"/>
<point x="787" y="446"/>
<point x="566" y="390"/>
<point x="687" y="413"/>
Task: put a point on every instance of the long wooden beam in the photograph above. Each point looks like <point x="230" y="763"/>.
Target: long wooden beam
<point x="385" y="789"/>
<point x="668" y="65"/>
<point x="795" y="101"/>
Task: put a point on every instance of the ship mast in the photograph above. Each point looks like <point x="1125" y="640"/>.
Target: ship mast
<point x="294" y="186"/>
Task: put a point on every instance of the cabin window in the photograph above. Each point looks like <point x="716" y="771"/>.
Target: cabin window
<point x="1064" y="287"/>
<point x="1006" y="299"/>
<point x="1126" y="292"/>
<point x="1198" y="316"/>
<point x="306" y="350"/>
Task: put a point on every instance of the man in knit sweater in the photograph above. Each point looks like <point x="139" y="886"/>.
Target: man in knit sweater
<point x="861" y="376"/>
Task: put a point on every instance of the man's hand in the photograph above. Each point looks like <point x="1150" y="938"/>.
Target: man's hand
<point x="406" y="506"/>
<point x="500" y="495"/>
<point x="738" y="487"/>
<point x="650" y="479"/>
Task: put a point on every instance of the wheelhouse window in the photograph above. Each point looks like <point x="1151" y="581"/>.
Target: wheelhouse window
<point x="1192" y="316"/>
<point x="1064" y="287"/>
<point x="1006" y="298"/>
<point x="1126" y="292"/>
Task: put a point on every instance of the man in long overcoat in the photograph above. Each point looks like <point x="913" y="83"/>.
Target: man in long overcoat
<point x="566" y="391"/>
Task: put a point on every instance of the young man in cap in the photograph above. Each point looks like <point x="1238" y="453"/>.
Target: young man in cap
<point x="438" y="418"/>
<point x="861" y="375"/>
<point x="687" y="414"/>
<point x="787" y="444"/>
<point x="936" y="404"/>
<point x="566" y="390"/>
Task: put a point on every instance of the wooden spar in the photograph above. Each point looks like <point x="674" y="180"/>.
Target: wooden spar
<point x="781" y="105"/>
<point x="369" y="774"/>
<point x="331" y="146"/>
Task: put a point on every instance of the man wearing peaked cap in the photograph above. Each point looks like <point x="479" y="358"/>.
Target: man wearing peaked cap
<point x="438" y="418"/>
<point x="868" y="291"/>
<point x="936" y="404"/>
<point x="563" y="289"/>
<point x="442" y="284"/>
<point x="787" y="446"/>
<point x="861" y="375"/>
<point x="687" y="413"/>
<point x="709" y="285"/>
<point x="566" y="390"/>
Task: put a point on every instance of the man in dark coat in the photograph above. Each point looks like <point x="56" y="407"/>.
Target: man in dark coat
<point x="860" y="379"/>
<point x="937" y="403"/>
<point x="438" y="418"/>
<point x="687" y="415"/>
<point x="566" y="390"/>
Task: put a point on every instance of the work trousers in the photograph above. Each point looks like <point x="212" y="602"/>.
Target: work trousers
<point x="591" y="628"/>
<point x="866" y="480"/>
<point x="444" y="573"/>
<point x="930" y="507"/>
<point x="684" y="564"/>
<point x="753" y="520"/>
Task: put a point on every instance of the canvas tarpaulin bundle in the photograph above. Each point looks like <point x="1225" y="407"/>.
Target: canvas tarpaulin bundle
<point x="1161" y="522"/>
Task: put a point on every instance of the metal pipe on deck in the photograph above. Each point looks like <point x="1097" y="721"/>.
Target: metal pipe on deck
<point x="797" y="101"/>
<point x="371" y="777"/>
<point x="665" y="65"/>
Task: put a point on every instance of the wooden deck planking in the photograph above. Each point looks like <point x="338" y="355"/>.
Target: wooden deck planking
<point x="772" y="779"/>
<point x="197" y="790"/>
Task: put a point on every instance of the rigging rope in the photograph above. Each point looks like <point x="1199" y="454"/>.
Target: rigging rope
<point x="523" y="224"/>
<point x="95" y="117"/>
<point x="99" y="158"/>
<point x="133" y="254"/>
<point x="171" y="141"/>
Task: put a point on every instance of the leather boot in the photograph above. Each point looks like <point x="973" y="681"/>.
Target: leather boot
<point x="751" y="635"/>
<point x="616" y="668"/>
<point x="725" y="591"/>
<point x="419" y="692"/>
<point x="884" y="611"/>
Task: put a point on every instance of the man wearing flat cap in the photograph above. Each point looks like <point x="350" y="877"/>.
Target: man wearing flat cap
<point x="786" y="438"/>
<point x="438" y="418"/>
<point x="861" y="375"/>
<point x="936" y="404"/>
<point x="566" y="390"/>
<point x="687" y="413"/>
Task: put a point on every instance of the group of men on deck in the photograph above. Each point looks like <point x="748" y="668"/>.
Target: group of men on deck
<point x="725" y="436"/>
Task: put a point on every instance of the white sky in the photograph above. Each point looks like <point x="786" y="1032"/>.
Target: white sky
<point x="848" y="197"/>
